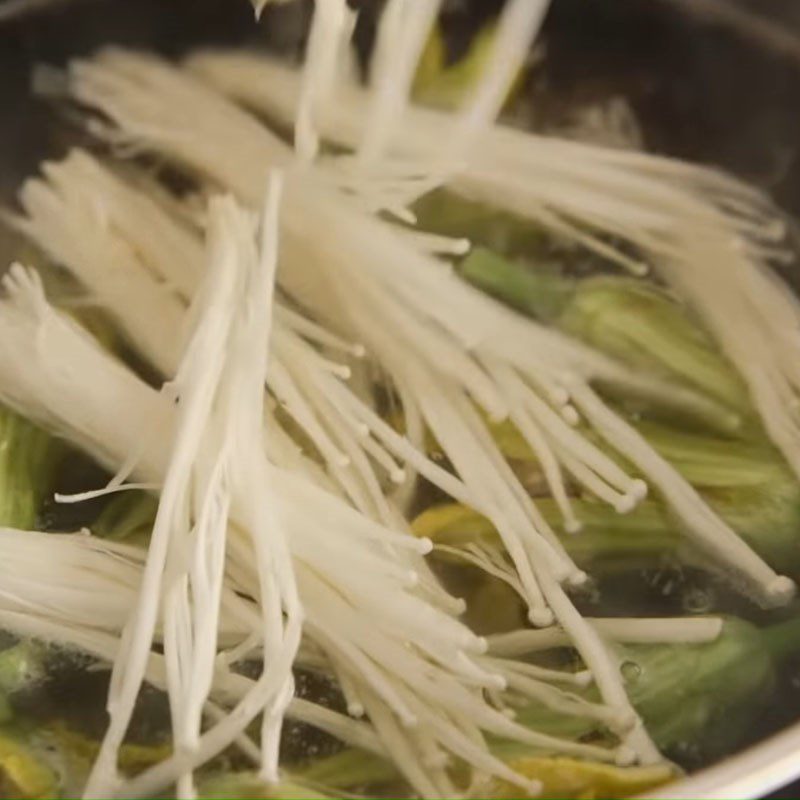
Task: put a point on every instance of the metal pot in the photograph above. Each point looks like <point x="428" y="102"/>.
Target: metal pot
<point x="709" y="80"/>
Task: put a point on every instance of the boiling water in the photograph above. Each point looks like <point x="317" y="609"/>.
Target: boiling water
<point x="682" y="88"/>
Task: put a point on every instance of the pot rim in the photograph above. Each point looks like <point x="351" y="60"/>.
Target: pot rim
<point x="753" y="773"/>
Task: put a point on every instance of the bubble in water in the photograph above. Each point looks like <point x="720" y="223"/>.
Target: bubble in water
<point x="696" y="600"/>
<point x="631" y="671"/>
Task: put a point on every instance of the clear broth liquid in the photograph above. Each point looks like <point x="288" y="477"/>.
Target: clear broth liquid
<point x="696" y="91"/>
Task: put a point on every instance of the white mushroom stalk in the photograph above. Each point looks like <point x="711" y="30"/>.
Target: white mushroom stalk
<point x="215" y="454"/>
<point x="491" y="355"/>
<point x="412" y="664"/>
<point x="404" y="28"/>
<point x="82" y="571"/>
<point x="257" y="543"/>
<point x="77" y="234"/>
<point x="54" y="610"/>
<point x="332" y="25"/>
<point x="709" y="236"/>
<point x="631" y="631"/>
<point x="68" y="604"/>
<point x="307" y="386"/>
<point x="166" y="252"/>
<point x="538" y="558"/>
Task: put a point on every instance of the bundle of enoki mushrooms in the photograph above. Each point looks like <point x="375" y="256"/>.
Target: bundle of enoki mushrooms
<point x="268" y="301"/>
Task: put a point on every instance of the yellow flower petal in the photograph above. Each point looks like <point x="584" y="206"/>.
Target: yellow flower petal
<point x="571" y="778"/>
<point x="22" y="773"/>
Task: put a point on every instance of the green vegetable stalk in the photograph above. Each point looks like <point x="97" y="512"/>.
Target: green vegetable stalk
<point x="636" y="322"/>
<point x="701" y="695"/>
<point x="746" y="482"/>
<point x="608" y="542"/>
<point x="244" y="785"/>
<point x="21" y="666"/>
<point x="448" y="214"/>
<point x="560" y="777"/>
<point x="28" y="459"/>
